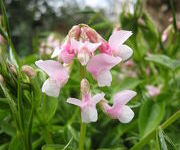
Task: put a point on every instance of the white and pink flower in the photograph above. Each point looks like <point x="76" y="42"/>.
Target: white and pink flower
<point x="120" y="110"/>
<point x="58" y="76"/>
<point x="88" y="103"/>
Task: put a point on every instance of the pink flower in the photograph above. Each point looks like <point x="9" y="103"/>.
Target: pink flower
<point x="100" y="65"/>
<point x="120" y="110"/>
<point x="152" y="90"/>
<point x="87" y="104"/>
<point x="58" y="76"/>
<point x="115" y="45"/>
<point x="84" y="50"/>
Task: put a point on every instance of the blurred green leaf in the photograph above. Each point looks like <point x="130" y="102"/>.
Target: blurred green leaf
<point x="162" y="140"/>
<point x="127" y="83"/>
<point x="164" y="61"/>
<point x="150" y="115"/>
<point x="48" y="109"/>
<point x="3" y="10"/>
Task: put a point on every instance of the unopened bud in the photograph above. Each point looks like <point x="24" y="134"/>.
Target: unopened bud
<point x="2" y="80"/>
<point x="75" y="32"/>
<point x="85" y="87"/>
<point x="29" y="71"/>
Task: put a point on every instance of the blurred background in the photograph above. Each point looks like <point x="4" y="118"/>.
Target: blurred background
<point x="30" y="19"/>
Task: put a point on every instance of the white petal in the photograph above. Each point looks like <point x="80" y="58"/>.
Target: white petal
<point x="74" y="101"/>
<point x="98" y="97"/>
<point x="89" y="114"/>
<point x="119" y="37"/>
<point x="83" y="58"/>
<point x="51" y="87"/>
<point x="124" y="51"/>
<point x="55" y="53"/>
<point x="126" y="114"/>
<point x="104" y="79"/>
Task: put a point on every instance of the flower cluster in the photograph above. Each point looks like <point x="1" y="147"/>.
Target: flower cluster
<point x="98" y="56"/>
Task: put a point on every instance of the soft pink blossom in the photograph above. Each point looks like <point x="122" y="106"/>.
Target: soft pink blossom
<point x="84" y="50"/>
<point x="88" y="103"/>
<point x="58" y="76"/>
<point x="152" y="90"/>
<point x="115" y="45"/>
<point x="120" y="110"/>
<point x="100" y="65"/>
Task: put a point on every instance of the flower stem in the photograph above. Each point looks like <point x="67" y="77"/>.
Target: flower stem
<point x="83" y="125"/>
<point x="82" y="136"/>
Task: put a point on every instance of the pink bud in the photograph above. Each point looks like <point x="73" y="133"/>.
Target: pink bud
<point x="85" y="87"/>
<point x="29" y="71"/>
<point x="152" y="90"/>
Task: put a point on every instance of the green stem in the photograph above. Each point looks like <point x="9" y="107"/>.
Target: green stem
<point x="83" y="125"/>
<point x="145" y="140"/>
<point x="82" y="136"/>
<point x="174" y="14"/>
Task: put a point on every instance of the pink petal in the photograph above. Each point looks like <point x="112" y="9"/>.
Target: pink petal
<point x="51" y="87"/>
<point x="97" y="98"/>
<point x="126" y="114"/>
<point x="123" y="51"/>
<point x="119" y="37"/>
<point x="104" y="79"/>
<point x="66" y="56"/>
<point x="74" y="101"/>
<point x="101" y="63"/>
<point x="92" y="46"/>
<point x="76" y="45"/>
<point x="54" y="69"/>
<point x="89" y="114"/>
<point x="123" y="97"/>
<point x="83" y="57"/>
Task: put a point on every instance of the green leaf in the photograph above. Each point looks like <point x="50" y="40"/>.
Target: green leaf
<point x="48" y="109"/>
<point x="3" y="10"/>
<point x="151" y="114"/>
<point x="128" y="83"/>
<point x="15" y="144"/>
<point x="164" y="61"/>
<point x="162" y="140"/>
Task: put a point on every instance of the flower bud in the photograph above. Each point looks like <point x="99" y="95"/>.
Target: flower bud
<point x="12" y="67"/>
<point x="29" y="71"/>
<point x="75" y="32"/>
<point x="103" y="105"/>
<point x="91" y="34"/>
<point x="85" y="87"/>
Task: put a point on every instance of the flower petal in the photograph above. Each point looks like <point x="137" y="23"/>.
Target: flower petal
<point x="100" y="63"/>
<point x="51" y="87"/>
<point x="119" y="37"/>
<point x="104" y="79"/>
<point x="126" y="114"/>
<point x="74" y="101"/>
<point x="66" y="56"/>
<point x="123" y="51"/>
<point x="92" y="46"/>
<point x="123" y="97"/>
<point x="83" y="57"/>
<point x="98" y="97"/>
<point x="55" y="53"/>
<point x="54" y="69"/>
<point x="89" y="114"/>
<point x="76" y="45"/>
